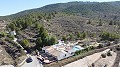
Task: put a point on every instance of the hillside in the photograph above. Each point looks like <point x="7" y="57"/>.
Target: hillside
<point x="64" y="18"/>
<point x="73" y="16"/>
<point x="72" y="24"/>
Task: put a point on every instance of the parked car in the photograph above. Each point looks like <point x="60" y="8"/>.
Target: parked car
<point x="28" y="60"/>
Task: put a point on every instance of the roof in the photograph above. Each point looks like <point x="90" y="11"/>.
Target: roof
<point x="46" y="47"/>
<point x="55" y="52"/>
<point x="60" y="48"/>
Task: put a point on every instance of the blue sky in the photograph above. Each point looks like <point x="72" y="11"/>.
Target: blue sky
<point x="8" y="7"/>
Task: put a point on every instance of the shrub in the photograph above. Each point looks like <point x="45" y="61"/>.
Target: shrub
<point x="39" y="42"/>
<point x="2" y="34"/>
<point x="109" y="36"/>
<point x="89" y="22"/>
<point x="118" y="48"/>
<point x="100" y="23"/>
<point x="109" y="53"/>
<point x="111" y="49"/>
<point x="25" y="43"/>
<point x="10" y="36"/>
<point x="100" y="46"/>
<point x="111" y="22"/>
<point x="64" y="38"/>
<point x="103" y="55"/>
<point x="84" y="50"/>
<point x="93" y="65"/>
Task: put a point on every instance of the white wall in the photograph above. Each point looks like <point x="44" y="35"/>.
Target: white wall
<point x="62" y="56"/>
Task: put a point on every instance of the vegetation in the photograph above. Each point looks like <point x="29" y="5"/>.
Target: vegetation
<point x="84" y="8"/>
<point x="84" y="50"/>
<point x="89" y="22"/>
<point x="70" y="36"/>
<point x="25" y="43"/>
<point x="111" y="22"/>
<point x="118" y="48"/>
<point x="52" y="40"/>
<point x="109" y="53"/>
<point x="64" y="38"/>
<point x="100" y="46"/>
<point x="37" y="26"/>
<point x="109" y="36"/>
<point x="39" y="43"/>
<point x="44" y="39"/>
<point x="81" y="35"/>
<point x="11" y="37"/>
<point x="97" y="12"/>
<point x="103" y="55"/>
<point x="19" y="24"/>
<point x="12" y="26"/>
<point x="78" y="34"/>
<point x="2" y="34"/>
<point x="100" y="23"/>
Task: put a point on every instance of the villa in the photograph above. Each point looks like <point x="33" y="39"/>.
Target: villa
<point x="62" y="50"/>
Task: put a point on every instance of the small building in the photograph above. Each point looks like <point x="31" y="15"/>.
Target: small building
<point x="13" y="33"/>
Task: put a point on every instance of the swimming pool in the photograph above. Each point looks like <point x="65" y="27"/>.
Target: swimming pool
<point x="76" y="48"/>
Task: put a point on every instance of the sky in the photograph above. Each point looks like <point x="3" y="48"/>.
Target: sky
<point x="8" y="7"/>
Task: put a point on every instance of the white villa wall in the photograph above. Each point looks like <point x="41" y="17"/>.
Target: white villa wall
<point x="63" y="56"/>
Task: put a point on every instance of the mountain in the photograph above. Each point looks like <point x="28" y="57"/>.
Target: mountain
<point x="85" y="8"/>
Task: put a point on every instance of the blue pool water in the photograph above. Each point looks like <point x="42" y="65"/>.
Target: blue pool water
<point x="76" y="48"/>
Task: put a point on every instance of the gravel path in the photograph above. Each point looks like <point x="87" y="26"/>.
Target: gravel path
<point x="109" y="60"/>
<point x="85" y="62"/>
<point x="117" y="60"/>
<point x="7" y="66"/>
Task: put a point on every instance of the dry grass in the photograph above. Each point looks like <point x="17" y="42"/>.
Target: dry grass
<point x="5" y="58"/>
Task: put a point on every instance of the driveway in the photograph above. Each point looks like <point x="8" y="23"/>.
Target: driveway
<point x="34" y="63"/>
<point x="7" y="66"/>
